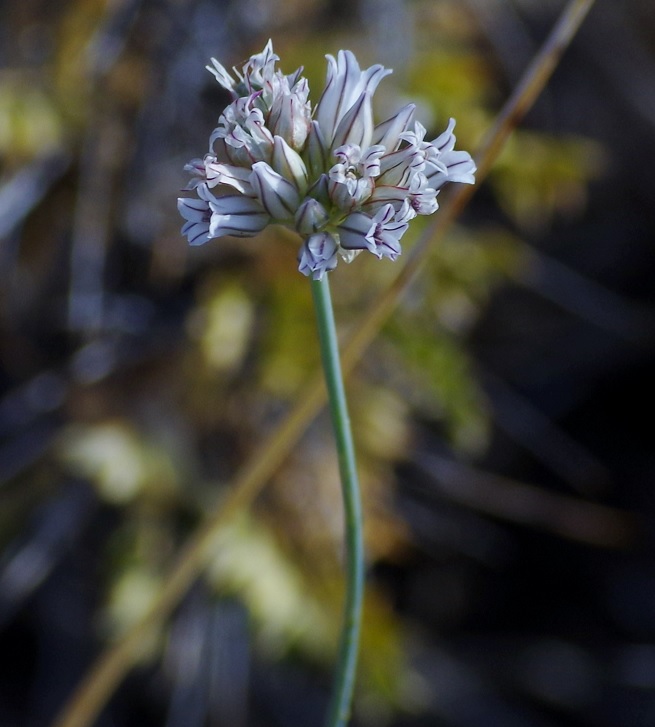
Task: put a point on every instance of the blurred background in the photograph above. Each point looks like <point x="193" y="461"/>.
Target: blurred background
<point x="506" y="461"/>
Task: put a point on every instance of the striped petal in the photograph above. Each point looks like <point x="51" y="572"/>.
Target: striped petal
<point x="236" y="215"/>
<point x="277" y="195"/>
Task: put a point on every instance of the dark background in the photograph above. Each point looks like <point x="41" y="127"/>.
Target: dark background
<point x="503" y="415"/>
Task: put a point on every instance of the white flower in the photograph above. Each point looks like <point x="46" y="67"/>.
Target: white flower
<point x="257" y="70"/>
<point x="421" y="197"/>
<point x="318" y="255"/>
<point x="459" y="167"/>
<point x="354" y="165"/>
<point x="243" y="132"/>
<point x="290" y="112"/>
<point x="342" y="183"/>
<point x="348" y="90"/>
<point x="379" y="234"/>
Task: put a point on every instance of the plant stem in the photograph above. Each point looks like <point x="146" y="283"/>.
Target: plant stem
<point x="344" y="680"/>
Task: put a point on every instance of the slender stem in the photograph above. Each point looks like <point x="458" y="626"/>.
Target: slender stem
<point x="344" y="680"/>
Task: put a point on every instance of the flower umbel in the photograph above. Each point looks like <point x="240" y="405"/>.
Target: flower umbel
<point x="344" y="184"/>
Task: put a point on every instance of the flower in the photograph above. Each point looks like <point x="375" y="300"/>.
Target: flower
<point x="344" y="184"/>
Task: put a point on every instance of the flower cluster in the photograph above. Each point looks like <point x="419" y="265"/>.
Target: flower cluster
<point x="344" y="184"/>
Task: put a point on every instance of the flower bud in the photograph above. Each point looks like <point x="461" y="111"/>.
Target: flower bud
<point x="315" y="151"/>
<point x="311" y="217"/>
<point x="278" y="196"/>
<point x="289" y="164"/>
<point x="318" y="255"/>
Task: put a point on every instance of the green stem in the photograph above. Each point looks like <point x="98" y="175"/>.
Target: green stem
<point x="344" y="680"/>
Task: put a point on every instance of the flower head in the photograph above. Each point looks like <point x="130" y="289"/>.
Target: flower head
<point x="342" y="182"/>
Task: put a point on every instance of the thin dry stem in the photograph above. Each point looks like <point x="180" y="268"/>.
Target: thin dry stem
<point x="113" y="664"/>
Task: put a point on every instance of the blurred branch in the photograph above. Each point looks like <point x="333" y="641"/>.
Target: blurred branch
<point x="528" y="505"/>
<point x="111" y="666"/>
<point x="21" y="194"/>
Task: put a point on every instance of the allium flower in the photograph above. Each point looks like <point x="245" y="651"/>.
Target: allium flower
<point x="344" y="184"/>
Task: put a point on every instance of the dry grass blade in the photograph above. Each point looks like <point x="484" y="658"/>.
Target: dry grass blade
<point x="111" y="666"/>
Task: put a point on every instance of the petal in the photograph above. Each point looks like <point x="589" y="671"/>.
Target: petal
<point x="388" y="132"/>
<point x="222" y="76"/>
<point x="315" y="151"/>
<point x="343" y="76"/>
<point x="384" y="195"/>
<point x="422" y="197"/>
<point x="356" y="126"/>
<point x="397" y="168"/>
<point x="260" y="67"/>
<point x="370" y="163"/>
<point x="355" y="232"/>
<point x="196" y="212"/>
<point x="320" y="190"/>
<point x="233" y="176"/>
<point x="388" y="245"/>
<point x="278" y="196"/>
<point x="460" y="168"/>
<point x="348" y="154"/>
<point x="372" y="76"/>
<point x="344" y="84"/>
<point x="290" y="116"/>
<point x="351" y="193"/>
<point x="192" y="209"/>
<point x="236" y="215"/>
<point x="197" y="233"/>
<point x="445" y="141"/>
<point x="196" y="167"/>
<point x="415" y="138"/>
<point x="385" y="215"/>
<point x="289" y="164"/>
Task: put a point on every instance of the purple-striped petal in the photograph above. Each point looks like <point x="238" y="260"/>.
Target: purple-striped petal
<point x="278" y="196"/>
<point x="445" y="141"/>
<point x="230" y="175"/>
<point x="345" y="83"/>
<point x="316" y="151"/>
<point x="388" y="132"/>
<point x="236" y="215"/>
<point x="355" y="232"/>
<point x="197" y="215"/>
<point x="356" y="126"/>
<point x="379" y="234"/>
<point x="460" y="167"/>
